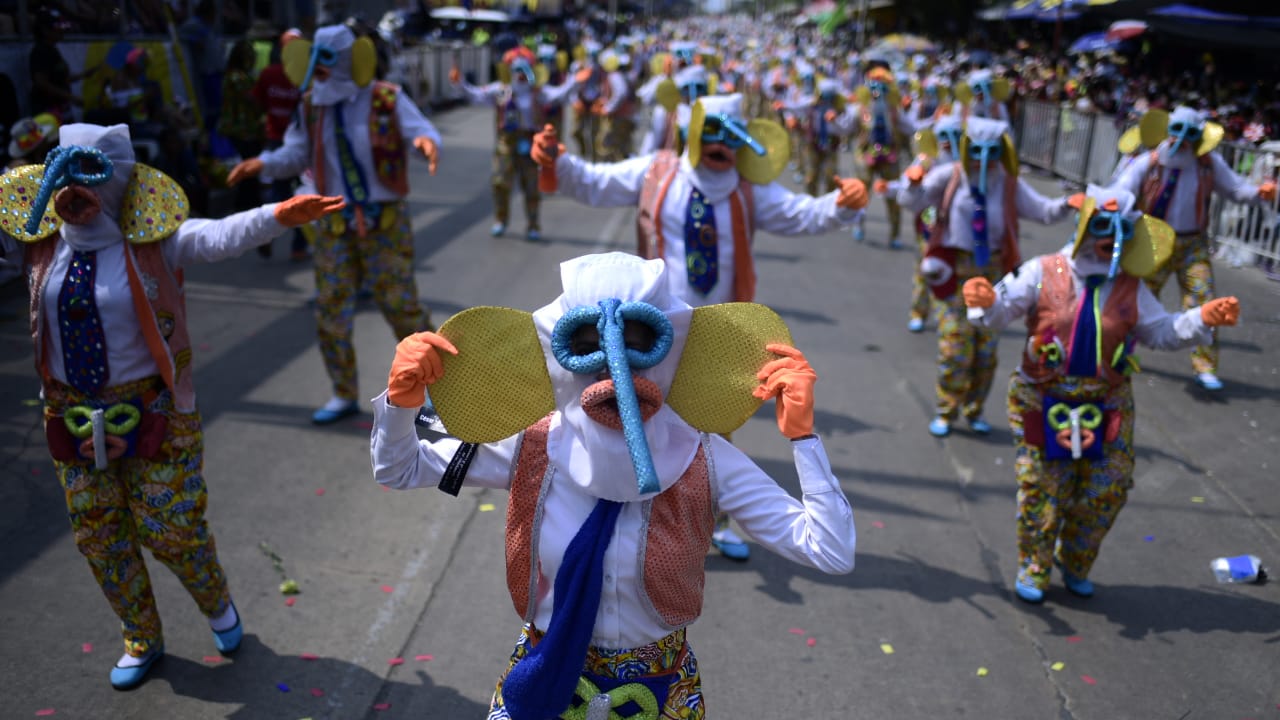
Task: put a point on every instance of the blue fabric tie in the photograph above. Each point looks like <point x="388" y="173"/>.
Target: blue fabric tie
<point x="880" y="127"/>
<point x="541" y="686"/>
<point x="1085" y="344"/>
<point x="1161" y="205"/>
<point x="353" y="180"/>
<point x="981" y="241"/>
<point x="84" y="344"/>
<point x="700" y="251"/>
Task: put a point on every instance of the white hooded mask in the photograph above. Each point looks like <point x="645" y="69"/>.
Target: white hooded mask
<point x="339" y="86"/>
<point x="115" y="143"/>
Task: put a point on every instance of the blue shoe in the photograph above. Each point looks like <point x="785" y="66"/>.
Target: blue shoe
<point x="730" y="546"/>
<point x="1080" y="587"/>
<point x="859" y="234"/>
<point x="128" y="678"/>
<point x="1028" y="592"/>
<point x="939" y="427"/>
<point x="498" y="229"/>
<point x="980" y="426"/>
<point x="1209" y="381"/>
<point x="894" y="244"/>
<point x="329" y="414"/>
<point x="915" y="325"/>
<point x="533" y="236"/>
<point x="228" y="641"/>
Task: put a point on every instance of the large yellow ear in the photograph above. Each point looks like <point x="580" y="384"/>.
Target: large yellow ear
<point x="1000" y="89"/>
<point x="497" y="384"/>
<point x="562" y="60"/>
<point x="717" y="372"/>
<point x="1149" y="248"/>
<point x="658" y="63"/>
<point x="1129" y="141"/>
<point x="296" y="57"/>
<point x="504" y="73"/>
<point x="863" y="93"/>
<point x="1086" y="213"/>
<point x="1153" y="127"/>
<point x="541" y="74"/>
<point x="611" y="63"/>
<point x="579" y="53"/>
<point x="757" y="169"/>
<point x="364" y="61"/>
<point x="713" y="83"/>
<point x="1209" y="140"/>
<point x="963" y="93"/>
<point x="926" y="142"/>
<point x="1009" y="155"/>
<point x="154" y="206"/>
<point x="693" y="141"/>
<point x="667" y="95"/>
<point x="18" y="189"/>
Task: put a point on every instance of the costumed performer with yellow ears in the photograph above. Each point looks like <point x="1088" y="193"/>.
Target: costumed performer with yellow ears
<point x="354" y="134"/>
<point x="600" y="414"/>
<point x="1173" y="182"/>
<point x="979" y="200"/>
<point x="1071" y="400"/>
<point x="699" y="210"/>
<point x="520" y="98"/>
<point x="106" y="239"/>
<point x="675" y="98"/>
<point x="982" y="95"/>
<point x="883" y="133"/>
<point x="826" y="120"/>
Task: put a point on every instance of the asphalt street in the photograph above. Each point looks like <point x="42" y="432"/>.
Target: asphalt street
<point x="403" y="610"/>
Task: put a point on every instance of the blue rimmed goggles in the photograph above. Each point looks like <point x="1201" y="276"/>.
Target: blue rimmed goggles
<point x="322" y="55"/>
<point x="984" y="153"/>
<point x="685" y="55"/>
<point x="1184" y="132"/>
<point x="1105" y="224"/>
<point x="951" y="136"/>
<point x="878" y="88"/>
<point x="63" y="166"/>
<point x="724" y="130"/>
<point x="522" y="67"/>
<point x="694" y="90"/>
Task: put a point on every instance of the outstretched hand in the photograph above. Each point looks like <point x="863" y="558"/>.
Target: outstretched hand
<point x="1220" y="311"/>
<point x="853" y="193"/>
<point x="417" y="364"/>
<point x="301" y="210"/>
<point x="244" y="170"/>
<point x="915" y="174"/>
<point x="1267" y="190"/>
<point x="790" y="379"/>
<point x="429" y="150"/>
<point x="978" y="293"/>
<point x="455" y="75"/>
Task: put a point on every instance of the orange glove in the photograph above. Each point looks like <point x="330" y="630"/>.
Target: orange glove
<point x="978" y="293"/>
<point x="546" y="147"/>
<point x="579" y="106"/>
<point x="790" y="380"/>
<point x="880" y="186"/>
<point x="427" y="147"/>
<point x="417" y="364"/>
<point x="244" y="170"/>
<point x="302" y="210"/>
<point x="1267" y="190"/>
<point x="853" y="193"/>
<point x="455" y="75"/>
<point x="777" y="105"/>
<point x="597" y="107"/>
<point x="915" y="174"/>
<point x="582" y="75"/>
<point x="792" y="123"/>
<point x="830" y="115"/>
<point x="1220" y="311"/>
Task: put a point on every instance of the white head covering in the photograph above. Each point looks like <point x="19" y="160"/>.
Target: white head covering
<point x="339" y="87"/>
<point x="593" y="457"/>
<point x="693" y="74"/>
<point x="115" y="143"/>
<point x="728" y="105"/>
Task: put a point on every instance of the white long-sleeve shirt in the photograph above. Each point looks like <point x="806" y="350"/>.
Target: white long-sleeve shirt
<point x="777" y="210"/>
<point x="294" y="156"/>
<point x="1181" y="214"/>
<point x="1030" y="204"/>
<point x="619" y="90"/>
<point x="1017" y="293"/>
<point x="525" y="102"/>
<point x="196" y="241"/>
<point x="817" y="531"/>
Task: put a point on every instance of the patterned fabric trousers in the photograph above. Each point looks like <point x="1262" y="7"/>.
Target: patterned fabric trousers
<point x="586" y="130"/>
<point x="615" y="138"/>
<point x="1066" y="507"/>
<point x="888" y="172"/>
<point x="921" y="297"/>
<point x="966" y="352"/>
<point x="383" y="261"/>
<point x="1192" y="265"/>
<point x="509" y="167"/>
<point x="820" y="169"/>
<point x="157" y="503"/>
<point x="670" y="656"/>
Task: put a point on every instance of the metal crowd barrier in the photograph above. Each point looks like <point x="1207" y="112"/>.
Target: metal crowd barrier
<point x="423" y="70"/>
<point x="1077" y="146"/>
<point x="1247" y="233"/>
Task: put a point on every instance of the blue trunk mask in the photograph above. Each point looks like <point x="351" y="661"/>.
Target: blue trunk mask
<point x="64" y="166"/>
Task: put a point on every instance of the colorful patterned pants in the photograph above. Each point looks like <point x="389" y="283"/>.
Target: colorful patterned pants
<point x="1191" y="263"/>
<point x="586" y="130"/>
<point x="966" y="352"/>
<point x="383" y="260"/>
<point x="1066" y="507"/>
<point x="820" y="169"/>
<point x="921" y="296"/>
<point x="669" y="656"/>
<point x="511" y="165"/>
<point x="615" y="138"/>
<point x="157" y="503"/>
<point x="888" y="172"/>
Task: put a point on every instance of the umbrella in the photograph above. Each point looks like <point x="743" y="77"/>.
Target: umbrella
<point x="1125" y="29"/>
<point x="1092" y="42"/>
<point x="905" y="43"/>
<point x="458" y="13"/>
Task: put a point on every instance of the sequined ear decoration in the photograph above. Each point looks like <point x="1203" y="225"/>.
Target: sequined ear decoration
<point x="154" y="206"/>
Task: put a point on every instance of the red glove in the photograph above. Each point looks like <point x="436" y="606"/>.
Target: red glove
<point x="417" y="364"/>
<point x="244" y="170"/>
<point x="978" y="293"/>
<point x="853" y="193"/>
<point x="429" y="150"/>
<point x="1220" y="311"/>
<point x="790" y="380"/>
<point x="305" y="209"/>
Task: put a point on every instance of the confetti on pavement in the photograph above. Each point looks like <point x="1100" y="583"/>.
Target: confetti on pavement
<point x="382" y="706"/>
<point x="29" y="402"/>
<point x="1088" y="680"/>
<point x="35" y="471"/>
<point x="289" y="601"/>
<point x="309" y="656"/>
<point x="364" y="425"/>
<point x="486" y="507"/>
<point x="45" y="712"/>
<point x="1197" y="499"/>
<point x="424" y="658"/>
<point x="877" y="524"/>
<point x="86" y="647"/>
<point x="212" y="659"/>
<point x="1057" y="666"/>
<point x="1149" y="538"/>
<point x="388" y="589"/>
<point x="319" y="492"/>
<point x="204" y="347"/>
<point x="886" y="648"/>
<point x="796" y="631"/>
<point x="282" y="687"/>
<point x="395" y="661"/>
<point x="317" y="692"/>
<point x="1074" y="639"/>
<point x="982" y="672"/>
<point x="811" y="642"/>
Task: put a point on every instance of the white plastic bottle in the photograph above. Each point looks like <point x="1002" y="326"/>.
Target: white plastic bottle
<point x="1238" y="569"/>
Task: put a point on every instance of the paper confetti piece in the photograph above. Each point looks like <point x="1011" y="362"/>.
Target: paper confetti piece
<point x="877" y="524"/>
<point x="388" y="589"/>
<point x="1088" y="680"/>
<point x="30" y="402"/>
<point x="982" y="672"/>
<point x="1149" y="538"/>
<point x="289" y="601"/>
<point x="811" y="642"/>
<point x="384" y="488"/>
<point x="382" y="706"/>
<point x="364" y="425"/>
<point x="317" y="692"/>
<point x="486" y="507"/>
<point x="309" y="656"/>
<point x="1074" y="639"/>
<point x="395" y="661"/>
<point x="289" y="587"/>
<point x="319" y="492"/>
<point x="35" y="471"/>
<point x="45" y="712"/>
<point x="86" y="647"/>
<point x="204" y="347"/>
<point x="886" y="648"/>
<point x="282" y="687"/>
<point x="424" y="658"/>
<point x="796" y="631"/>
<point x="1197" y="499"/>
<point x="1057" y="666"/>
<point x="212" y="659"/>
